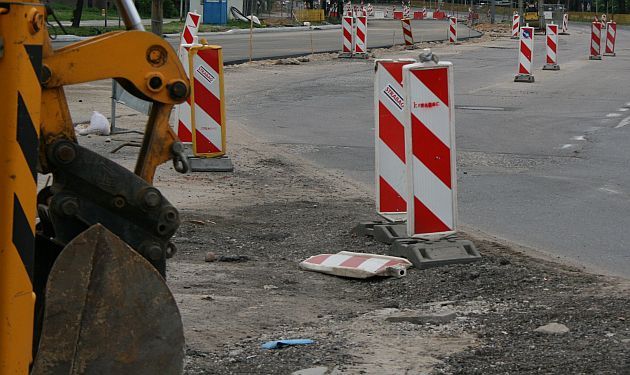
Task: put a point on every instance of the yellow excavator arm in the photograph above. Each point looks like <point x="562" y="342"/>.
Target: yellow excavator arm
<point x="82" y="262"/>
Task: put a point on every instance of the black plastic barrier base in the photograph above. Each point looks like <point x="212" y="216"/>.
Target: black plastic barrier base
<point x="220" y="164"/>
<point x="425" y="253"/>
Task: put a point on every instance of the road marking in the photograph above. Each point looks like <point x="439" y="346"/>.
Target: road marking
<point x="478" y="108"/>
<point x="564" y="147"/>
<point x="578" y="138"/>
<point x="613" y="115"/>
<point x="609" y="190"/>
<point x="623" y="123"/>
<point x="623" y="109"/>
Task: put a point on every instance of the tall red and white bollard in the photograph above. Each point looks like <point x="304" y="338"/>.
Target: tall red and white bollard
<point x="430" y="149"/>
<point x="430" y="194"/>
<point x="452" y="30"/>
<point x="552" y="48"/>
<point x="525" y="53"/>
<point x="516" y="25"/>
<point x="187" y="40"/>
<point x="565" y="24"/>
<point x="208" y="101"/>
<point x="595" y="50"/>
<point x="360" y="41"/>
<point x="389" y="111"/>
<point x="347" y="36"/>
<point x="407" y="33"/>
<point x="611" y="35"/>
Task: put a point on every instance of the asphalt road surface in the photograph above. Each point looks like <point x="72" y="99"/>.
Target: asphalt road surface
<point x="381" y="33"/>
<point x="545" y="165"/>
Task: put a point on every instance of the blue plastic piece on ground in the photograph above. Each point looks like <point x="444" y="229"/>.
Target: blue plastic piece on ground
<point x="282" y="343"/>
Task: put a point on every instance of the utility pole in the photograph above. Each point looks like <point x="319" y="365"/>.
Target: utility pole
<point x="520" y="11"/>
<point x="493" y="10"/>
<point x="156" y="17"/>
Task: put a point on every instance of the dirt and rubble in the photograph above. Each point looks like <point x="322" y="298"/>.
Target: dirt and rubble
<point x="277" y="209"/>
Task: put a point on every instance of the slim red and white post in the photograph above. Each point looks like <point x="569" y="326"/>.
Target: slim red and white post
<point x="389" y="129"/>
<point x="552" y="48"/>
<point x="360" y="44"/>
<point x="596" y="32"/>
<point x="525" y="53"/>
<point x="565" y="24"/>
<point x="347" y="36"/>
<point x="611" y="35"/>
<point x="452" y="30"/>
<point x="187" y="39"/>
<point x="407" y="32"/>
<point x="430" y="149"/>
<point x="516" y="25"/>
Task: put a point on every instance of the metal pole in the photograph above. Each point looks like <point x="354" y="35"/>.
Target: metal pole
<point x="520" y="11"/>
<point x="493" y="10"/>
<point x="251" y="31"/>
<point x="113" y="116"/>
<point x="128" y="12"/>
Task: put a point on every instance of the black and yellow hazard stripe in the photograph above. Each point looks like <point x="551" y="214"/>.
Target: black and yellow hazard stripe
<point x="20" y="108"/>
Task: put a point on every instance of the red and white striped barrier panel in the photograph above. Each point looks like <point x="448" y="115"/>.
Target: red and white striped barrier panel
<point x="452" y="30"/>
<point x="370" y="10"/>
<point x="207" y="100"/>
<point x="552" y="48"/>
<point x="188" y="38"/>
<point x="525" y="53"/>
<point x="516" y="25"/>
<point x="398" y="14"/>
<point x="407" y="32"/>
<point x="596" y="36"/>
<point x="418" y="15"/>
<point x="360" y="42"/>
<point x="565" y="24"/>
<point x="191" y="28"/>
<point x="357" y="265"/>
<point x="389" y="131"/>
<point x="439" y="15"/>
<point x="611" y="35"/>
<point x="430" y="149"/>
<point x="333" y="10"/>
<point x="347" y="35"/>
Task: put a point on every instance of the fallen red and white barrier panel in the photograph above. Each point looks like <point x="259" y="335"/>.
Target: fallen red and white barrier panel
<point x="357" y="265"/>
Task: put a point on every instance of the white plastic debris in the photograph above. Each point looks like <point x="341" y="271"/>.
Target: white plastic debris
<point x="357" y="265"/>
<point x="99" y="125"/>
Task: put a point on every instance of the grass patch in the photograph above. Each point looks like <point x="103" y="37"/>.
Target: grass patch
<point x="167" y="28"/>
<point x="64" y="13"/>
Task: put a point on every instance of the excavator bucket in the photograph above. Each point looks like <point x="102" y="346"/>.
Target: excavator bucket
<point x="108" y="311"/>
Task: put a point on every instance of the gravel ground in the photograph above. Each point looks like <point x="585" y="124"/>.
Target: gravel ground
<point x="277" y="209"/>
